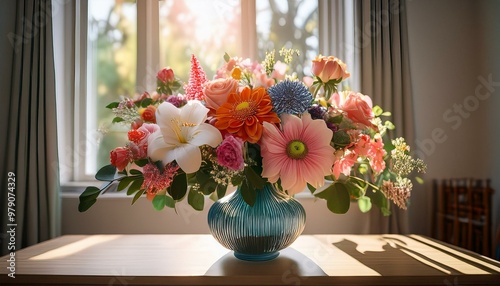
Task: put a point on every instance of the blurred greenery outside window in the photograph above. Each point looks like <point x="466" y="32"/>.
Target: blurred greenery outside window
<point x="207" y="29"/>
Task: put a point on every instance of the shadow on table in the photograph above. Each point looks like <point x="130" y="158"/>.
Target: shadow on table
<point x="395" y="260"/>
<point x="289" y="264"/>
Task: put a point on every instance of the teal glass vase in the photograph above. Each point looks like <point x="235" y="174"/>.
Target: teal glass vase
<point x="258" y="232"/>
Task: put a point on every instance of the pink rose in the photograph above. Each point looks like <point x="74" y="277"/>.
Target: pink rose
<point x="230" y="153"/>
<point x="217" y="91"/>
<point x="138" y="144"/>
<point x="120" y="157"/>
<point x="358" y="108"/>
<point x="165" y="75"/>
<point x="329" y="68"/>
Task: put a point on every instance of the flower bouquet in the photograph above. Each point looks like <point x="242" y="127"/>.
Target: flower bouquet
<point x="256" y="124"/>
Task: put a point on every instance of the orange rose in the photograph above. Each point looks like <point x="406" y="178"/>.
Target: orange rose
<point x="217" y="91"/>
<point x="149" y="114"/>
<point x="329" y="68"/>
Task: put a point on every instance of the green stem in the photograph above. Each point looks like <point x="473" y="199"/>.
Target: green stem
<point x="316" y="90"/>
<point x="365" y="181"/>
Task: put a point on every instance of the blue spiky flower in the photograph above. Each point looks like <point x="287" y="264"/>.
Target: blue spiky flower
<point x="291" y="97"/>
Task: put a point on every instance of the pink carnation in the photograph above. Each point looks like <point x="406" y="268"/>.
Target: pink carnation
<point x="230" y="153"/>
<point x="376" y="155"/>
<point x="344" y="165"/>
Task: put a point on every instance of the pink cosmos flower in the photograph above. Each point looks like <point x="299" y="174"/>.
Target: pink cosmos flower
<point x="230" y="153"/>
<point x="299" y="154"/>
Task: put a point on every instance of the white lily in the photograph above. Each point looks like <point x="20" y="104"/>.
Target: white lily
<point x="182" y="132"/>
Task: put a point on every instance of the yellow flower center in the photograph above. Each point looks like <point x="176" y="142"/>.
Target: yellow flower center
<point x="244" y="110"/>
<point x="242" y="105"/>
<point x="297" y="150"/>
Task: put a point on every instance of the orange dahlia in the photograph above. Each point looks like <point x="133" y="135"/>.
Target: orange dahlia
<point x="243" y="114"/>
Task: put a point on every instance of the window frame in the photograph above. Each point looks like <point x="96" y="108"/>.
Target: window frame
<point x="73" y="159"/>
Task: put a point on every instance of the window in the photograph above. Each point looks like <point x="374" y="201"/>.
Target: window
<point x="169" y="31"/>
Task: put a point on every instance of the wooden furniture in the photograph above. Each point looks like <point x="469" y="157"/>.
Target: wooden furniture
<point x="463" y="213"/>
<point x="200" y="260"/>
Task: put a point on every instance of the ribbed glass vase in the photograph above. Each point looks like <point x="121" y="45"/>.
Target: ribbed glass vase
<point x="258" y="232"/>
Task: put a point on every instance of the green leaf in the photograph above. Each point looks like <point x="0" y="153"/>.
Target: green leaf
<point x="226" y="57"/>
<point x="378" y="199"/>
<point x="387" y="113"/>
<point x="106" y="173"/>
<point x="141" y="163"/>
<point x="90" y="192"/>
<point x="254" y="180"/>
<point x="236" y="180"/>
<point x="221" y="190"/>
<point x="85" y="205"/>
<point x="124" y="183"/>
<point x="178" y="188"/>
<point x="169" y="202"/>
<point x="311" y="188"/>
<point x="137" y="196"/>
<point x="159" y="202"/>
<point x="117" y="119"/>
<point x="365" y="204"/>
<point x="337" y="198"/>
<point x="249" y="194"/>
<point x="146" y="101"/>
<point x="208" y="187"/>
<point x="202" y="177"/>
<point x="88" y="198"/>
<point x="113" y="105"/>
<point x="341" y="138"/>
<point x="135" y="172"/>
<point x="196" y="200"/>
<point x="135" y="186"/>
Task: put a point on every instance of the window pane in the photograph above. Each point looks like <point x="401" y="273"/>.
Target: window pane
<point x="289" y="24"/>
<point x="204" y="28"/>
<point x="111" y="73"/>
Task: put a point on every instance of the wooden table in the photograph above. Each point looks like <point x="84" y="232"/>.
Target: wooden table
<point x="200" y="260"/>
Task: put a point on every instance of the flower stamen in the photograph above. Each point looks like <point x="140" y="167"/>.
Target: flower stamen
<point x="297" y="150"/>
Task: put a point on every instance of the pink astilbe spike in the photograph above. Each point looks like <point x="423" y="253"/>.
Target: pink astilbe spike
<point x="197" y="77"/>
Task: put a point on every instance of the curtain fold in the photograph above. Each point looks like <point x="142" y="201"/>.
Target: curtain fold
<point x="30" y="151"/>
<point x="382" y="41"/>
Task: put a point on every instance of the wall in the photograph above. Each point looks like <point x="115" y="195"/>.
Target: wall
<point x="113" y="214"/>
<point x="453" y="43"/>
<point x="453" y="51"/>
